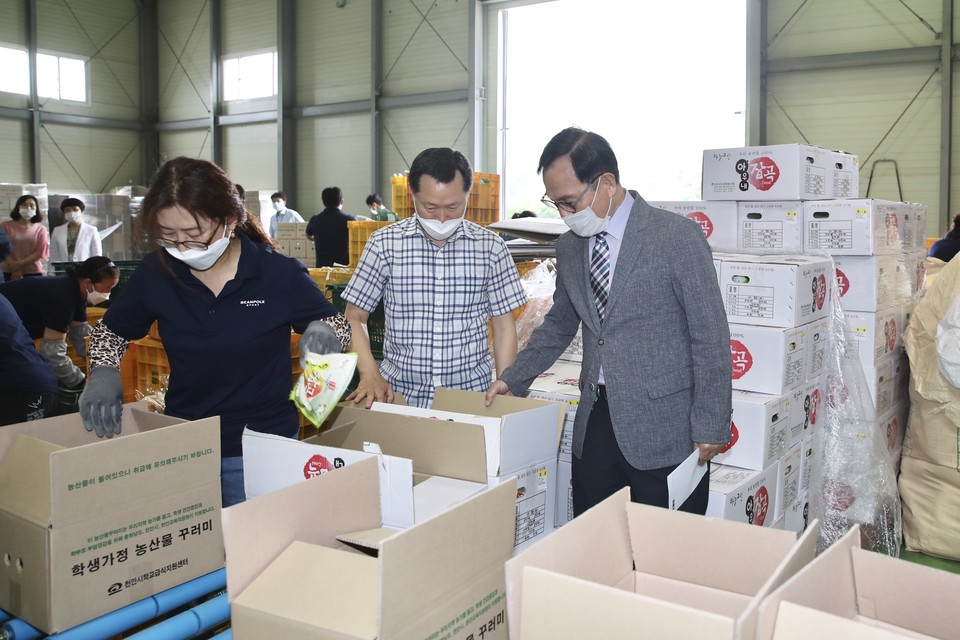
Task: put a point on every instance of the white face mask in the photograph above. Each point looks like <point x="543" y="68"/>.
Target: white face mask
<point x="95" y="297"/>
<point x="278" y="206"/>
<point x="27" y="213"/>
<point x="436" y="229"/>
<point x="75" y="217"/>
<point x="198" y="258"/>
<point x="586" y="223"/>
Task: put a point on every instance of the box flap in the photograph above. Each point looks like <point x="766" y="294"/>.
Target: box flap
<point x="826" y="584"/>
<point x="25" y="479"/>
<point x="312" y="585"/>
<point x="437" y="494"/>
<point x="188" y="451"/>
<point x="272" y="462"/>
<point x="721" y="547"/>
<point x="438" y="559"/>
<point x="906" y="595"/>
<point x="523" y="423"/>
<point x="370" y="539"/>
<point x="796" y="622"/>
<point x="728" y="604"/>
<point x="594" y="546"/>
<point x="553" y="608"/>
<point x="68" y="431"/>
<point x="316" y="511"/>
<point x="446" y="449"/>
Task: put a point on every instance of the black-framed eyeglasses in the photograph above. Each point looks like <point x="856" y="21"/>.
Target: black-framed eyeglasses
<point x="570" y="207"/>
<point x="188" y="244"/>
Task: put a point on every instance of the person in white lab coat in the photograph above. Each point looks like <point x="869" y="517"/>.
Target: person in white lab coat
<point x="76" y="240"/>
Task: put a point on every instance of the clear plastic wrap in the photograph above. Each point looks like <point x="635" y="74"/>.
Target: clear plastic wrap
<point x="539" y="284"/>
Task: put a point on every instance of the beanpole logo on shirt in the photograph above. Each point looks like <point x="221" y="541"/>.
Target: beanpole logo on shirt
<point x="702" y="219"/>
<point x="318" y="465"/>
<point x="843" y="283"/>
<point x="253" y="303"/>
<point x="741" y="359"/>
<point x="760" y="173"/>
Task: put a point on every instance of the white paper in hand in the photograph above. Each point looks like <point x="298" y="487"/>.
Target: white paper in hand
<point x="684" y="479"/>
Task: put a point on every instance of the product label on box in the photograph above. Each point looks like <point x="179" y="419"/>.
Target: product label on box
<point x="757" y="504"/>
<point x="747" y="301"/>
<point x="760" y="173"/>
<point x="531" y="504"/>
<point x="830" y="235"/>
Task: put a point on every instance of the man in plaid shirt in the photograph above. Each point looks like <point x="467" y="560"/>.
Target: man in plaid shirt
<point x="440" y="278"/>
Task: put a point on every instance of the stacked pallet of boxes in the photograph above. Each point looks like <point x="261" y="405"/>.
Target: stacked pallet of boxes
<point x="9" y="192"/>
<point x="292" y="237"/>
<point x="260" y="206"/>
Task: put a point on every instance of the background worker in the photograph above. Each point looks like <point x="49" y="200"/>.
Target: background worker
<point x="28" y="388"/>
<point x="379" y="212"/>
<point x="440" y="278"/>
<point x="655" y="382"/>
<point x="76" y="240"/>
<point x="48" y="306"/>
<point x="225" y="302"/>
<point x="30" y="240"/>
<point x="329" y="232"/>
<point x="283" y="213"/>
<point x="947" y="246"/>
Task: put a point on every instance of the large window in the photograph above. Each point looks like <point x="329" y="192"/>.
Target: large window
<point x="253" y="76"/>
<point x="661" y="81"/>
<point x="58" y="77"/>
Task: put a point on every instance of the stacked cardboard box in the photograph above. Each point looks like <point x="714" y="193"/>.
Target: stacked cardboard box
<point x="259" y="205"/>
<point x="292" y="237"/>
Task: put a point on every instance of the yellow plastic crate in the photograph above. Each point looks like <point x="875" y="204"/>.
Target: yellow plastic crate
<point x="359" y="232"/>
<point x="483" y="207"/>
<point x="324" y="276"/>
<point x="152" y="365"/>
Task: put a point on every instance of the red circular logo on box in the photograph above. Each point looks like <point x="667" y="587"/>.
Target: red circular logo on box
<point x="760" y="505"/>
<point x="741" y="359"/>
<point x="814" y="405"/>
<point x="843" y="283"/>
<point x="317" y="465"/>
<point x="763" y="173"/>
<point x="734" y="436"/>
<point x="839" y="496"/>
<point x="704" y="221"/>
<point x="821" y="290"/>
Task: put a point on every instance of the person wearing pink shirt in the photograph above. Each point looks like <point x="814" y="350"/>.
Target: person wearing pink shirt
<point x="31" y="242"/>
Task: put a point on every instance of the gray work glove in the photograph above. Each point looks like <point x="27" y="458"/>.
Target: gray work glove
<point x="102" y="401"/>
<point x="320" y="338"/>
<point x="76" y="334"/>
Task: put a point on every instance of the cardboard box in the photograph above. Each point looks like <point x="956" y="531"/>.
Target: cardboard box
<point x="887" y="382"/>
<point x="869" y="283"/>
<point x="872" y="336"/>
<point x="626" y="570"/>
<point x="770" y="226"/>
<point x="795" y="622"/>
<point x="845" y="179"/>
<point x="409" y="493"/>
<point x="563" y="513"/>
<point x="744" y="495"/>
<point x="817" y="334"/>
<point x="809" y="460"/>
<point x="772" y="172"/>
<point x="776" y="291"/>
<point x="521" y="437"/>
<point x="767" y="359"/>
<point x="806" y="411"/>
<point x="717" y="219"/>
<point x="912" y="217"/>
<point x="89" y="525"/>
<point x="862" y="227"/>
<point x="789" y="484"/>
<point x="293" y="570"/>
<point x="797" y="514"/>
<point x="871" y="589"/>
<point x="758" y="431"/>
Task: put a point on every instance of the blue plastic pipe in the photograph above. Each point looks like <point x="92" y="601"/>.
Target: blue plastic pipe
<point x="131" y="615"/>
<point x="189" y="623"/>
<point x="4" y="616"/>
<point x="226" y="635"/>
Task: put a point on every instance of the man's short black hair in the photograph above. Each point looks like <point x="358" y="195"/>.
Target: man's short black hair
<point x="374" y="198"/>
<point x="590" y="154"/>
<point x="442" y="164"/>
<point x="332" y="197"/>
<point x="279" y="194"/>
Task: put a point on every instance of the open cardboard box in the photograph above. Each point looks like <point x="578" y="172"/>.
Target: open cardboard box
<point x="873" y="590"/>
<point x="522" y="436"/>
<point x="89" y="525"/>
<point x="626" y="570"/>
<point x="795" y="622"/>
<point x="290" y="573"/>
<point x="425" y="466"/>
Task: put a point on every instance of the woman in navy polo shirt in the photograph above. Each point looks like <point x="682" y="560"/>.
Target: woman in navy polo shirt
<point x="224" y="301"/>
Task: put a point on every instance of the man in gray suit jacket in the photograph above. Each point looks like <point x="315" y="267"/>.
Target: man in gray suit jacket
<point x="656" y="373"/>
